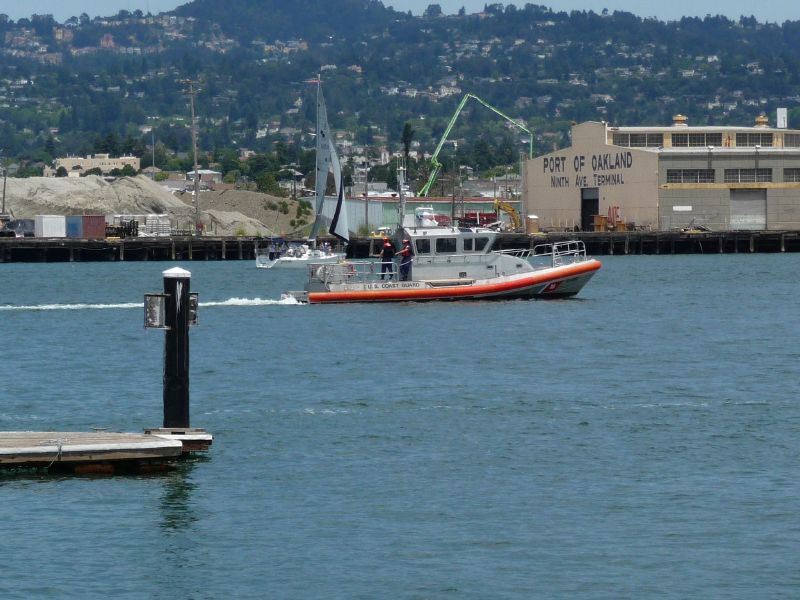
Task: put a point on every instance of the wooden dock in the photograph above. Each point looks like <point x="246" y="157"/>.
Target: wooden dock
<point x="203" y="248"/>
<point x="98" y="452"/>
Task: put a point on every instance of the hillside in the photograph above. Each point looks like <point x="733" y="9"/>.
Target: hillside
<point x="223" y="213"/>
<point x="66" y="86"/>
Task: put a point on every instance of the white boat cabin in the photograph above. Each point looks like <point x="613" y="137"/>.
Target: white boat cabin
<point x="444" y="241"/>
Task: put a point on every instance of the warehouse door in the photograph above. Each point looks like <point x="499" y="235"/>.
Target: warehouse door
<point x="749" y="209"/>
<point x="590" y="206"/>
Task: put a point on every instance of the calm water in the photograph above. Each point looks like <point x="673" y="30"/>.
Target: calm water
<point x="642" y="441"/>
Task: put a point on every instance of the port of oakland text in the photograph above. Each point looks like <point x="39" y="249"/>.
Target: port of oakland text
<point x="611" y="166"/>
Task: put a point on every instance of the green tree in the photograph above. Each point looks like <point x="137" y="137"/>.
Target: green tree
<point x="266" y="184"/>
<point x="433" y="10"/>
<point x="50" y="146"/>
<point x="107" y="145"/>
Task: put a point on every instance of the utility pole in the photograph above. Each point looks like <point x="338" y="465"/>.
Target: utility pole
<point x="366" y="194"/>
<point x="192" y="92"/>
<point x="154" y="154"/>
<point x="3" y="215"/>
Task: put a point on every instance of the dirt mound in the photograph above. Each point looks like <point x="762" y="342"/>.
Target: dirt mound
<point x="228" y="213"/>
<point x="277" y="216"/>
<point x="26" y="198"/>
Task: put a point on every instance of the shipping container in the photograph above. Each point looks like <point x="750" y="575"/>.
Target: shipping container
<point x="74" y="226"/>
<point x="157" y="225"/>
<point x="94" y="227"/>
<point x="50" y="226"/>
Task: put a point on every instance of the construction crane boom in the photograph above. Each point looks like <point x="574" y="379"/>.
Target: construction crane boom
<point x="436" y="165"/>
<point x="516" y="222"/>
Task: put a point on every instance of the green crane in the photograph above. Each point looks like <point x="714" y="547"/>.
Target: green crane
<point x="436" y="165"/>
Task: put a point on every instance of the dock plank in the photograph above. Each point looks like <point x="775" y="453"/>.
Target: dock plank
<point x="45" y="448"/>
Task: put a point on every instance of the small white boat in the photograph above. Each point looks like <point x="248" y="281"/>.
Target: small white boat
<point x="456" y="263"/>
<point x="296" y="256"/>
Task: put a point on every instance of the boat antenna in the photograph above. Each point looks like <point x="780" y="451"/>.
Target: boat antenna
<point x="401" y="180"/>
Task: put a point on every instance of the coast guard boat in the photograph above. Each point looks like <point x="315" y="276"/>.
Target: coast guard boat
<point x="453" y="263"/>
<point x="456" y="264"/>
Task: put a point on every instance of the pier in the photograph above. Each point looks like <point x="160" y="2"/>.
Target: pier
<point x="99" y="452"/>
<point x="670" y="242"/>
<point x="188" y="248"/>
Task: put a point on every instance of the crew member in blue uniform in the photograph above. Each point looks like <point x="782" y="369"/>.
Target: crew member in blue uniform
<point x="406" y="256"/>
<point x="387" y="258"/>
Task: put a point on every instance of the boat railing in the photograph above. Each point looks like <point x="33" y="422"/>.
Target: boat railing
<point x="472" y="258"/>
<point x="515" y="252"/>
<point x="557" y="254"/>
<point x="351" y="271"/>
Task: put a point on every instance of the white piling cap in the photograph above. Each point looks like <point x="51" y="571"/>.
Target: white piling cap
<point x="177" y="273"/>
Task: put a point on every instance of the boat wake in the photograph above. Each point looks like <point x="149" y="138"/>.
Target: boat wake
<point x="80" y="306"/>
<point x="252" y="302"/>
<point x="139" y="305"/>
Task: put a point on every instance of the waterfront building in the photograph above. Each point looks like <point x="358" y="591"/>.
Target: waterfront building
<point x="76" y="165"/>
<point x="672" y="177"/>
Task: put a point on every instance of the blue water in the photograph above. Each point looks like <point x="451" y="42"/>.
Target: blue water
<point x="640" y="441"/>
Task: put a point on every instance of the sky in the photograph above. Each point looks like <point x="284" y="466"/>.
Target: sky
<point x="776" y="11"/>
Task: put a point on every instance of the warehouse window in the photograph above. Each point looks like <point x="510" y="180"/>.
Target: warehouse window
<point x="754" y="139"/>
<point x="680" y="140"/>
<point x="705" y="176"/>
<point x="791" y="175"/>
<point x="696" y="140"/>
<point x="690" y="175"/>
<point x="791" y="140"/>
<point x="638" y="140"/>
<point x="748" y="175"/>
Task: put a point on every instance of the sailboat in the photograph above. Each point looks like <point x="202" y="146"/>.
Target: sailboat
<point x="327" y="161"/>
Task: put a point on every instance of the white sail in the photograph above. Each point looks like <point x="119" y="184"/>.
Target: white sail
<point x="339" y="226"/>
<point x="327" y="161"/>
<point x="323" y="150"/>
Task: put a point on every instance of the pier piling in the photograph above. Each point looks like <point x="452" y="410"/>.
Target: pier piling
<point x="174" y="311"/>
<point x="176" y="348"/>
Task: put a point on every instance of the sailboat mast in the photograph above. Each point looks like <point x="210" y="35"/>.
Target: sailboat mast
<point x="319" y="197"/>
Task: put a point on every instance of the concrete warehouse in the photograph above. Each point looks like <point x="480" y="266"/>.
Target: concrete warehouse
<point x="663" y="178"/>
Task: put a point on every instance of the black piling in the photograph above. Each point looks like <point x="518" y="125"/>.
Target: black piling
<point x="176" y="348"/>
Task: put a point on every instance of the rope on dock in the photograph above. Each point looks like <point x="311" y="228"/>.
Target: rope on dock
<point x="60" y="443"/>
